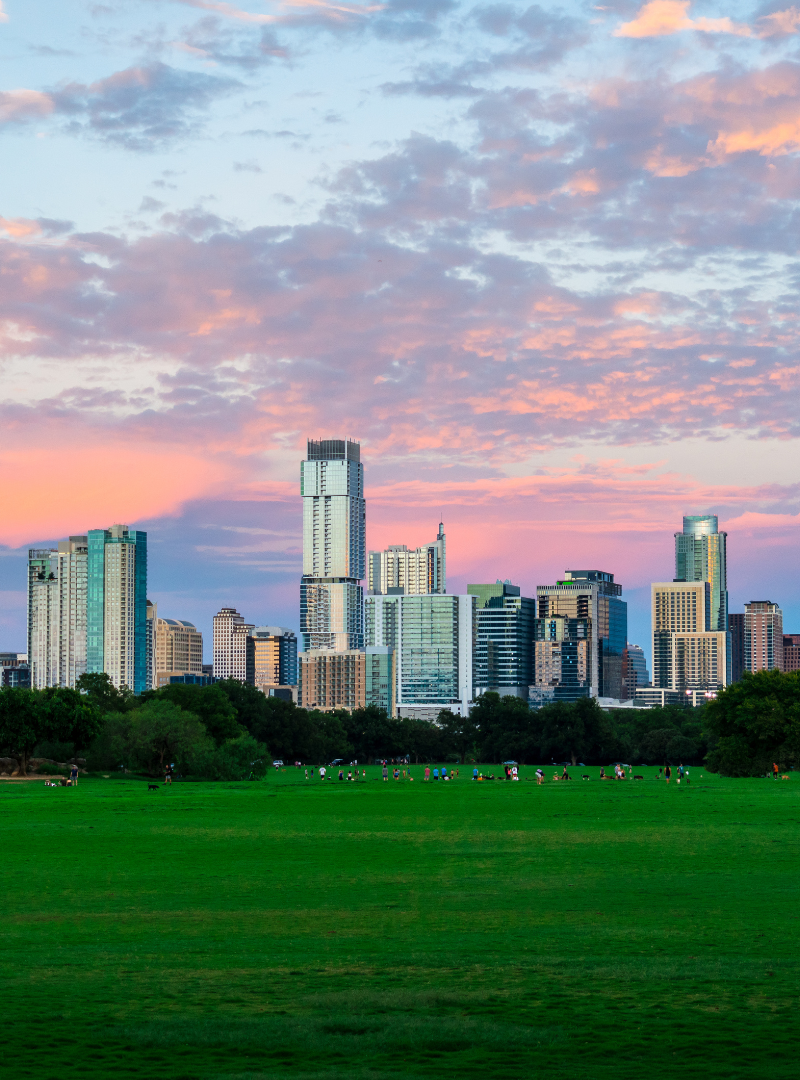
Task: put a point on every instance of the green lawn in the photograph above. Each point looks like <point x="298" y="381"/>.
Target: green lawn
<point x="290" y="928"/>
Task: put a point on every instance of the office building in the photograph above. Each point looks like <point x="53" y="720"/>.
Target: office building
<point x="331" y="679"/>
<point x="334" y="546"/>
<point x="580" y="634"/>
<point x="687" y="654"/>
<point x="116" y="618"/>
<point x="274" y="657"/>
<point x="434" y="640"/>
<point x="504" y="619"/>
<point x="791" y="652"/>
<point x="73" y="584"/>
<point x="178" y="650"/>
<point x="701" y="555"/>
<point x="398" y="570"/>
<point x="736" y="631"/>
<point x="381" y="678"/>
<point x="635" y="675"/>
<point x="232" y="656"/>
<point x="763" y="636"/>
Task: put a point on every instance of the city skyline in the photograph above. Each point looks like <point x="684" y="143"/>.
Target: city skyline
<point x="280" y="606"/>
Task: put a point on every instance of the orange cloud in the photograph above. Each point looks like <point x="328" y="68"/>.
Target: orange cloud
<point x="20" y="227"/>
<point x="662" y="17"/>
<point x="779" y="23"/>
<point x="79" y="487"/>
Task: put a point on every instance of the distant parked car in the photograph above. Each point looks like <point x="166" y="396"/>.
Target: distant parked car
<point x="337" y="761"/>
<point x="277" y="764"/>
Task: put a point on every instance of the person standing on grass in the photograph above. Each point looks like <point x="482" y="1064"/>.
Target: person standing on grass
<point x="436" y="773"/>
<point x="539" y="776"/>
<point x="667" y="772"/>
<point x="427" y="773"/>
<point x="444" y="772"/>
<point x="775" y="770"/>
<point x="73" y="775"/>
<point x="322" y="772"/>
<point x="680" y="773"/>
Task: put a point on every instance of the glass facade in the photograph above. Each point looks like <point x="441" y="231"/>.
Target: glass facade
<point x="701" y="555"/>
<point x="420" y="571"/>
<point x="116" y="609"/>
<point x="504" y="639"/>
<point x="381" y="677"/>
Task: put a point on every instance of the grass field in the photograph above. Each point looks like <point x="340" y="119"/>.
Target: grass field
<point x="287" y="928"/>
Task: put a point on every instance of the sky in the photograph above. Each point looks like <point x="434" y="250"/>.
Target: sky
<point x="541" y="260"/>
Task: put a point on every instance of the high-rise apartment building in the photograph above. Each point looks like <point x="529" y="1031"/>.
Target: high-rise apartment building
<point x="434" y="640"/>
<point x="334" y="545"/>
<point x="763" y="636"/>
<point x="687" y="653"/>
<point x="44" y="618"/>
<point x="791" y="652"/>
<point x="331" y="679"/>
<point x="232" y="656"/>
<point x="178" y="650"/>
<point x="398" y="570"/>
<point x="503" y="639"/>
<point x="701" y="555"/>
<point x="580" y="633"/>
<point x="116" y="607"/>
<point x="57" y="590"/>
<point x="736" y="631"/>
<point x="274" y="662"/>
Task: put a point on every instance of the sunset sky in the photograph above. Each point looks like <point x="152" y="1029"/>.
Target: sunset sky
<point x="540" y="260"/>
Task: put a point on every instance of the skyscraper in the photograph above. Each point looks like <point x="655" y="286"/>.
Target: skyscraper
<point x="688" y="652"/>
<point x="580" y="634"/>
<point x="504" y="639"/>
<point x="399" y="570"/>
<point x="116" y="607"/>
<point x="44" y="622"/>
<point x="334" y="545"/>
<point x="232" y="654"/>
<point x="736" y="630"/>
<point x="763" y="636"/>
<point x="701" y="555"/>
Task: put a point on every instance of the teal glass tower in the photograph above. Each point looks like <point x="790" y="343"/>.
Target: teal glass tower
<point x="701" y="555"/>
<point x="116" y="607"/>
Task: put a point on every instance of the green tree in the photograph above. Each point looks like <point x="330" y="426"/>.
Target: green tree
<point x="103" y="694"/>
<point x="574" y="730"/>
<point x="509" y="730"/>
<point x="241" y="758"/>
<point x="161" y="732"/>
<point x="754" y="722"/>
<point x="214" y="706"/>
<point x="22" y="724"/>
<point x="69" y="716"/>
<point x="459" y="734"/>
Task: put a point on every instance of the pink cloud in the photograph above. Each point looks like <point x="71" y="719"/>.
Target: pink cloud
<point x="661" y="17"/>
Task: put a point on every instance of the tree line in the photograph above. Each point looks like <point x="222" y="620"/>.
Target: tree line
<point x="231" y="730"/>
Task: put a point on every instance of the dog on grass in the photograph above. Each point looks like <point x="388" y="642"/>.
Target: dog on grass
<point x="784" y="778"/>
<point x="585" y="776"/>
<point x="152" y="787"/>
<point x="638" y="778"/>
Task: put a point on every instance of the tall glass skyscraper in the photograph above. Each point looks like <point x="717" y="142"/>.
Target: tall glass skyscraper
<point x="334" y="546"/>
<point x="700" y="555"/>
<point x="116" y="615"/>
